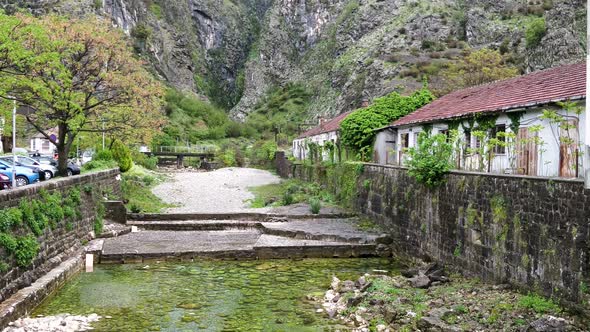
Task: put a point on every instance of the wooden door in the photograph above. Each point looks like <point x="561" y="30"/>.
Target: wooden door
<point x="568" y="150"/>
<point x="526" y="152"/>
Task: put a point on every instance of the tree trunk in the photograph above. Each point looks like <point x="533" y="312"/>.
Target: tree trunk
<point x="62" y="161"/>
<point x="63" y="149"/>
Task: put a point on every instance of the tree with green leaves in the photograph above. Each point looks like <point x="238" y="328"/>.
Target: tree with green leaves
<point x="79" y="76"/>
<point x="357" y="131"/>
<point x="432" y="158"/>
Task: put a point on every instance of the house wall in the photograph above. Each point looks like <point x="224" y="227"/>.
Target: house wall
<point x="42" y="145"/>
<point x="547" y="152"/>
<point x="384" y="149"/>
<point x="300" y="150"/>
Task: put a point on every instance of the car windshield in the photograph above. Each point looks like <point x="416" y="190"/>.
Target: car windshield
<point x="26" y="161"/>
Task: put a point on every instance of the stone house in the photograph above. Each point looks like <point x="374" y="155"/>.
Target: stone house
<point x="503" y="127"/>
<point x="326" y="131"/>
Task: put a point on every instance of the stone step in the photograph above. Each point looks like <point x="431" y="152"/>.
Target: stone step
<point x="230" y="244"/>
<point x="194" y="225"/>
<point x="252" y="216"/>
<point x="318" y="230"/>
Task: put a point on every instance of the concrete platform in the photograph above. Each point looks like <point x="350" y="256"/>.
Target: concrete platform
<point x="229" y="244"/>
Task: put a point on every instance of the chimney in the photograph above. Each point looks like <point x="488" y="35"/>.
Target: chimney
<point x="365" y="102"/>
<point x="322" y="120"/>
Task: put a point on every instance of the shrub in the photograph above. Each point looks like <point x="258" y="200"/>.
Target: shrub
<point x="26" y="250"/>
<point x="8" y="242"/>
<point x="98" y="226"/>
<point x="10" y="218"/>
<point x="535" y="31"/>
<point x="122" y="155"/>
<point x="287" y="198"/>
<point x="141" y="32"/>
<point x="104" y="155"/>
<point x="431" y="159"/>
<point x="142" y="159"/>
<point x="315" y="205"/>
<point x="357" y="130"/>
<point x="3" y="266"/>
<point x="538" y="304"/>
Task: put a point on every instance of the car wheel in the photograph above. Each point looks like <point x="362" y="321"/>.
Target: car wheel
<point x="70" y="173"/>
<point x="21" y="181"/>
<point x="48" y="175"/>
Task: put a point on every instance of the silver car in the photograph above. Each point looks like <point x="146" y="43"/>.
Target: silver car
<point x="48" y="170"/>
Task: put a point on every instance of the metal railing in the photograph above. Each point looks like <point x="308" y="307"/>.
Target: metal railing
<point x="196" y="149"/>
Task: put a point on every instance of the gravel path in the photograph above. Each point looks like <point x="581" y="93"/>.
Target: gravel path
<point x="221" y="191"/>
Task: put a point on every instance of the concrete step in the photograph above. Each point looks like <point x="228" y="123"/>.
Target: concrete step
<point x="229" y="244"/>
<point x="343" y="230"/>
<point x="194" y="225"/>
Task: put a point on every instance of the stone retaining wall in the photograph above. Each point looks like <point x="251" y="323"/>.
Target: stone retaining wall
<point x="529" y="231"/>
<point x="59" y="244"/>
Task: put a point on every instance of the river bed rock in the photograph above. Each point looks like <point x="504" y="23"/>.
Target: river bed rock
<point x="59" y="323"/>
<point x="416" y="302"/>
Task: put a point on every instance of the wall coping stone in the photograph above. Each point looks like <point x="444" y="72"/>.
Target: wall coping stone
<point x="6" y="195"/>
<point x="494" y="175"/>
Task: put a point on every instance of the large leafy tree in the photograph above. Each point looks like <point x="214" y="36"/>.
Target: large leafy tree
<point x="76" y="75"/>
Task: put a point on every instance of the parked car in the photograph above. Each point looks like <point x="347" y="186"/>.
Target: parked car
<point x="73" y="169"/>
<point x="24" y="175"/>
<point x="49" y="171"/>
<point x="8" y="160"/>
<point x="5" y="182"/>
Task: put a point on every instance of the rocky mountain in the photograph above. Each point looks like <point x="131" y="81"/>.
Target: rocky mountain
<point x="342" y="51"/>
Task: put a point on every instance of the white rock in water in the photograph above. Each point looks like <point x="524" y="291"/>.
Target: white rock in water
<point x="335" y="283"/>
<point x="60" y="323"/>
<point x="330" y="295"/>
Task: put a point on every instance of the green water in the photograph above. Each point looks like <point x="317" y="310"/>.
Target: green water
<point x="208" y="295"/>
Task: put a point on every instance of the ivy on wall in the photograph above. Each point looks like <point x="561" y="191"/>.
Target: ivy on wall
<point x="357" y="131"/>
<point x="32" y="218"/>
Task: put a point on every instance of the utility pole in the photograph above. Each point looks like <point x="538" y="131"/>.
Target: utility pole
<point x="587" y="111"/>
<point x="14" y="143"/>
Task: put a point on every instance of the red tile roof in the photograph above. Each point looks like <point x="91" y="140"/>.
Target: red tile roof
<point x="538" y="88"/>
<point x="326" y="127"/>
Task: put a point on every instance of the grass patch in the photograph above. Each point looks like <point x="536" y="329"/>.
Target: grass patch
<point x="538" y="304"/>
<point x="289" y="192"/>
<point x="98" y="165"/>
<point x="137" y="187"/>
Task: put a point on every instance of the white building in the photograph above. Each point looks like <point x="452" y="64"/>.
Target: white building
<point x="515" y="126"/>
<point x="327" y="131"/>
<point x="41" y="144"/>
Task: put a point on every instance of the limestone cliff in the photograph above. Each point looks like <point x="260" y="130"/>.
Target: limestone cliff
<point x="233" y="51"/>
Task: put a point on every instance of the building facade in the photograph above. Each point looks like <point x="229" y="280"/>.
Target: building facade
<point x="326" y="131"/>
<point x="530" y="125"/>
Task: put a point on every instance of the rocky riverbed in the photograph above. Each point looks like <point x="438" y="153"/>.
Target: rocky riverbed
<point x="59" y="323"/>
<point x="427" y="300"/>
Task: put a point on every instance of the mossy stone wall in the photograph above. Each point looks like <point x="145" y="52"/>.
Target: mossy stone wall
<point x="61" y="241"/>
<point x="528" y="231"/>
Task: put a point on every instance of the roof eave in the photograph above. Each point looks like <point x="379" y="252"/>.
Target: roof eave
<point x="506" y="109"/>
